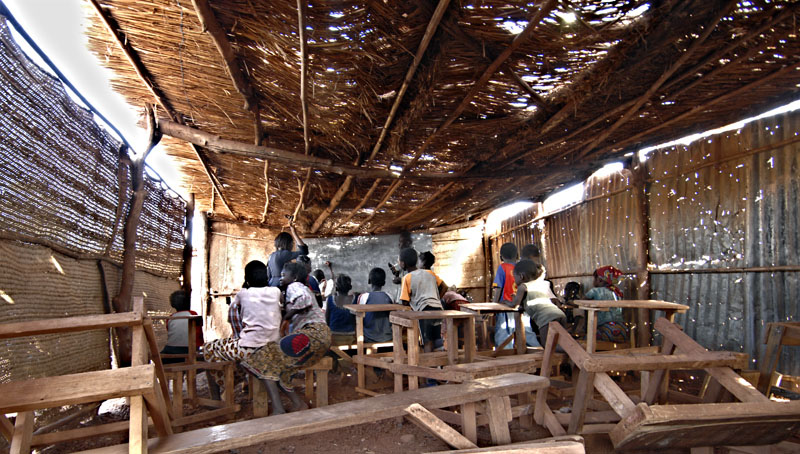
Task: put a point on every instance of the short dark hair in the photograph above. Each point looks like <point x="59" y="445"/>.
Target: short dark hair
<point x="296" y="270"/>
<point x="255" y="274"/>
<point x="284" y="241"/>
<point x="305" y="261"/>
<point x="572" y="290"/>
<point x="530" y="251"/>
<point x="319" y="275"/>
<point x="343" y="284"/>
<point x="180" y="300"/>
<point x="377" y="277"/>
<point x="508" y="251"/>
<point x="427" y="258"/>
<point x="528" y="270"/>
<point x="409" y="256"/>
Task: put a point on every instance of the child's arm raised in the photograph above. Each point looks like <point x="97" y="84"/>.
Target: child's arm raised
<point x="301" y="246"/>
<point x="333" y="275"/>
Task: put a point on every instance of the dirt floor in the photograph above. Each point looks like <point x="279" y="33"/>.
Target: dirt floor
<point x="382" y="437"/>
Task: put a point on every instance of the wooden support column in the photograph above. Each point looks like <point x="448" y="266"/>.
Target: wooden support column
<point x="642" y="190"/>
<point x="187" y="247"/>
<point x="122" y="302"/>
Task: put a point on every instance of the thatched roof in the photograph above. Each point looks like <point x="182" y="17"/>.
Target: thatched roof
<point x="508" y="115"/>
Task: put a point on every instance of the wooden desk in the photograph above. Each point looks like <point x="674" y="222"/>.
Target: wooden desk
<point x="360" y="311"/>
<point x="410" y="321"/>
<point x="593" y="306"/>
<point x="497" y="308"/>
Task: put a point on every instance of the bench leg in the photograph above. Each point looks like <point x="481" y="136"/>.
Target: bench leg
<point x="177" y="394"/>
<point x="469" y="425"/>
<point x="526" y="421"/>
<point x="23" y="433"/>
<point x="583" y="393"/>
<point x="309" y="392"/>
<point x="413" y="354"/>
<point x="322" y="388"/>
<point x="137" y="433"/>
<point x="498" y="420"/>
<point x="397" y="357"/>
<point x="260" y="397"/>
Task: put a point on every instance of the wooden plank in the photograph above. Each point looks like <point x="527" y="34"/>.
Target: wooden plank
<point x="528" y="447"/>
<point x="260" y="430"/>
<point x="658" y="377"/>
<point x="177" y="394"/>
<point x="74" y="389"/>
<point x="729" y="379"/>
<point x="159" y="411"/>
<point x="552" y="423"/>
<point x="634" y="304"/>
<point x="583" y="392"/>
<point x="428" y="315"/>
<point x="553" y="340"/>
<point x="322" y="388"/>
<point x="363" y="308"/>
<point x="68" y="324"/>
<point x="769" y="361"/>
<point x="23" y="432"/>
<point x="77" y="434"/>
<point x="687" y="426"/>
<point x="470" y="345"/>
<point x="260" y="397"/>
<point x="398" y="352"/>
<point x="592" y="417"/>
<point x="469" y="423"/>
<point x="498" y="422"/>
<point x="206" y="415"/>
<point x="413" y="352"/>
<point x="150" y="335"/>
<point x="451" y="338"/>
<point x="654" y="362"/>
<point x="614" y="395"/>
<point x="6" y="427"/>
<point x="426" y="420"/>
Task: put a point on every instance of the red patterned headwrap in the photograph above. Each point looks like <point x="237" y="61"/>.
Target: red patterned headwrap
<point x="610" y="278"/>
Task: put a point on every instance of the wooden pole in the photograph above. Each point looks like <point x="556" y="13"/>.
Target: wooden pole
<point x="122" y="302"/>
<point x="641" y="188"/>
<point x="220" y="38"/>
<point x="430" y="30"/>
<point x="188" y="246"/>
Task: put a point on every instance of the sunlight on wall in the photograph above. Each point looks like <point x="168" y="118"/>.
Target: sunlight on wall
<point x="454" y="258"/>
<point x="501" y="214"/>
<point x="563" y="198"/>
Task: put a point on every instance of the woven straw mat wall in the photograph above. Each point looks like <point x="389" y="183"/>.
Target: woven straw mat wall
<point x="59" y="188"/>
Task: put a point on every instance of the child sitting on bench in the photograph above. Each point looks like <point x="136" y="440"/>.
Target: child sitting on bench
<point x="376" y="324"/>
<point x="535" y="298"/>
<point x="306" y="344"/>
<point x="259" y="306"/>
<point x="178" y="328"/>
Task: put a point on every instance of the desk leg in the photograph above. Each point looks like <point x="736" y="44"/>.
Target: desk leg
<point x="191" y="375"/>
<point x="23" y="433"/>
<point x="591" y="330"/>
<point x="362" y="378"/>
<point x="452" y="341"/>
<point x="413" y="353"/>
<point x="469" y="340"/>
<point x="519" y="334"/>
<point x="397" y="355"/>
<point x="469" y="422"/>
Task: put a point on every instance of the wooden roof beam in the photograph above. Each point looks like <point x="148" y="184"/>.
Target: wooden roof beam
<point x="543" y="11"/>
<point x="232" y="63"/>
<point x="289" y="158"/>
<point x="661" y="80"/>
<point x="141" y="72"/>
<point x="301" y="34"/>
<point x="430" y="30"/>
<point x="420" y="206"/>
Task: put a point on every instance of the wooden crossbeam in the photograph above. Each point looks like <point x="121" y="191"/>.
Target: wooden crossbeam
<point x="232" y="64"/>
<point x="426" y="420"/>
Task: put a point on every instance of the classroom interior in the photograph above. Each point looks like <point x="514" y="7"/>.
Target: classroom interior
<point x="660" y="138"/>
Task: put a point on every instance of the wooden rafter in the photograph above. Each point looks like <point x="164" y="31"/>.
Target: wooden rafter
<point x="488" y="72"/>
<point x="430" y="30"/>
<point x="141" y="72"/>
<point x="215" y="143"/>
<point x="232" y="64"/>
<point x="360" y="204"/>
<point x="301" y="34"/>
<point x="661" y="80"/>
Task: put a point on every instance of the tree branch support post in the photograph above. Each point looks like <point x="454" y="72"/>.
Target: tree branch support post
<point x="641" y="188"/>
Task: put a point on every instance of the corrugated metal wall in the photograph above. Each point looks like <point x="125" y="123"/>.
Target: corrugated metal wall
<point x="727" y="205"/>
<point x="460" y="259"/>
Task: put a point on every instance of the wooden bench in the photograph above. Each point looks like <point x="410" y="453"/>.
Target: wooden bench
<point x="567" y="444"/>
<point x="779" y="334"/>
<point x="144" y="384"/>
<point x="493" y="390"/>
<point x="645" y="426"/>
<point x="223" y="407"/>
<point x="316" y="391"/>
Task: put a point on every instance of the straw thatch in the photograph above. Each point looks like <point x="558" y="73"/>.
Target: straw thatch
<point x="507" y="115"/>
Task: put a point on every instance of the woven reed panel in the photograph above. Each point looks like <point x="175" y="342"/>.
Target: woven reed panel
<point x="37" y="283"/>
<point x="58" y="173"/>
